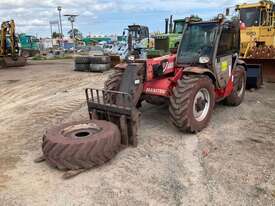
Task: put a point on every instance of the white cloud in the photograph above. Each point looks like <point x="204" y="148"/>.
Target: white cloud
<point x="34" y="15"/>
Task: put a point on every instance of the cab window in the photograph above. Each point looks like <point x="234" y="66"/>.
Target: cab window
<point x="228" y="43"/>
<point x="250" y="16"/>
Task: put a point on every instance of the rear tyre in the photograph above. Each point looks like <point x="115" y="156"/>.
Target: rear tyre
<point x="238" y="93"/>
<point x="81" y="145"/>
<point x="100" y="60"/>
<point x="191" y="103"/>
<point x="113" y="84"/>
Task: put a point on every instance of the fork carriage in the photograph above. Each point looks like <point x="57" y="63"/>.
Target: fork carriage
<point x="123" y="113"/>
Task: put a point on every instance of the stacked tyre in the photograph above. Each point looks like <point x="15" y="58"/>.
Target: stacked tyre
<point x="93" y="64"/>
<point x="82" y="64"/>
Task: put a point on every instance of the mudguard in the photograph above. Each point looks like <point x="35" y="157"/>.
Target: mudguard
<point x="200" y="70"/>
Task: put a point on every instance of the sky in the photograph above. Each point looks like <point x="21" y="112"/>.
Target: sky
<point x="104" y="17"/>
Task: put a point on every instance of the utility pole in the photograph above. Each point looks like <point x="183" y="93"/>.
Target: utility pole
<point x="59" y="9"/>
<point x="51" y="33"/>
<point x="71" y="18"/>
<point x="51" y="25"/>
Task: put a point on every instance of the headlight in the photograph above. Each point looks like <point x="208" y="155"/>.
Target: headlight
<point x="204" y="60"/>
<point x="131" y="58"/>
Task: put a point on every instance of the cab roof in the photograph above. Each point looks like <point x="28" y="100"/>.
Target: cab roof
<point x="261" y="4"/>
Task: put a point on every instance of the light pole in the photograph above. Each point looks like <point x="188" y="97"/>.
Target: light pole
<point x="59" y="8"/>
<point x="51" y="25"/>
<point x="51" y="33"/>
<point x="71" y="18"/>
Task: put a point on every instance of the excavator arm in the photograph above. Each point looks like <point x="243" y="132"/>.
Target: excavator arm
<point x="12" y="37"/>
<point x="3" y="47"/>
<point x="9" y="57"/>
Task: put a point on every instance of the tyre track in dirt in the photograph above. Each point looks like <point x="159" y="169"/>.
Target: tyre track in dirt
<point x="34" y="103"/>
<point x="29" y="92"/>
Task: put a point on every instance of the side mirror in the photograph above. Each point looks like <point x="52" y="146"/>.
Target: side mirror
<point x="123" y="33"/>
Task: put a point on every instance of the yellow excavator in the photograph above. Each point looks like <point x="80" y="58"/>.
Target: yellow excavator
<point x="258" y="35"/>
<point x="9" y="49"/>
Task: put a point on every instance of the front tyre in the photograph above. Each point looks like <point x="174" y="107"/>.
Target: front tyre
<point x="191" y="103"/>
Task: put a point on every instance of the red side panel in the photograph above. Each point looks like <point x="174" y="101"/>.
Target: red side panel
<point x="167" y="62"/>
<point x="221" y="93"/>
<point x="162" y="86"/>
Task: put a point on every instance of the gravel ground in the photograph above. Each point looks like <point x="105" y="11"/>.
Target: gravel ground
<point x="229" y="163"/>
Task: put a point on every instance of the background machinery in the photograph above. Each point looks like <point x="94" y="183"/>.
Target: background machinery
<point x="9" y="49"/>
<point x="138" y="40"/>
<point x="29" y="45"/>
<point x="171" y="38"/>
<point x="135" y="43"/>
<point x="258" y="35"/>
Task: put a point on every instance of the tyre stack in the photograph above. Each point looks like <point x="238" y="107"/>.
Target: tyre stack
<point x="82" y="64"/>
<point x="93" y="64"/>
<point x="100" y="63"/>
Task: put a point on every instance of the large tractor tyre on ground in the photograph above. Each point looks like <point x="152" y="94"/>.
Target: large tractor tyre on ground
<point x="100" y="60"/>
<point x="191" y="103"/>
<point x="82" y="60"/>
<point x="113" y="84"/>
<point x="100" y="67"/>
<point x="82" y="67"/>
<point x="81" y="145"/>
<point x="238" y="93"/>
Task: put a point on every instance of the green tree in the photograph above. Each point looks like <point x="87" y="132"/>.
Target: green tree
<point x="76" y="32"/>
<point x="56" y="35"/>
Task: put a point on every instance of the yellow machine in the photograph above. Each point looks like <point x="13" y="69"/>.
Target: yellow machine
<point x="9" y="49"/>
<point x="258" y="35"/>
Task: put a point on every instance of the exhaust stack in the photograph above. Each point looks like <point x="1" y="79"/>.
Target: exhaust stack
<point x="171" y="24"/>
<point x="166" y="25"/>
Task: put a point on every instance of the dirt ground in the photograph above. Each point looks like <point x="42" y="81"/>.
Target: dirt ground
<point x="229" y="163"/>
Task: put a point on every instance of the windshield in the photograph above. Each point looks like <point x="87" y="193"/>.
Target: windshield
<point x="197" y="41"/>
<point x="179" y="26"/>
<point x="135" y="33"/>
<point x="250" y="16"/>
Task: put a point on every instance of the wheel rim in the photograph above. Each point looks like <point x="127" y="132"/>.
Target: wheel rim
<point x="201" y="104"/>
<point x="81" y="131"/>
<point x="240" y="86"/>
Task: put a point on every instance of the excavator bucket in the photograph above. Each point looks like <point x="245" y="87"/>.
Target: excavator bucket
<point x="268" y="68"/>
<point x="123" y="112"/>
<point x="254" y="75"/>
<point x="14" y="62"/>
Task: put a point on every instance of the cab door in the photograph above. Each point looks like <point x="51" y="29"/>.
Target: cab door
<point x="226" y="55"/>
